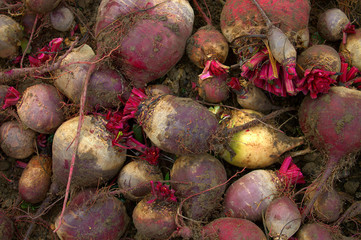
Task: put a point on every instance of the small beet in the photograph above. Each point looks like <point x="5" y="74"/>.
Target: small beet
<point x="203" y="172"/>
<point x="62" y="19"/>
<point x="314" y="231"/>
<point x="35" y="180"/>
<point x="135" y="176"/>
<point x="155" y="218"/>
<point x="17" y="141"/>
<point x="40" y="108"/>
<point x="331" y="24"/>
<point x="282" y="218"/>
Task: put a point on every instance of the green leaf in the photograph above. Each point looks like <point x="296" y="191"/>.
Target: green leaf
<point x="24" y="44"/>
<point x="138" y="133"/>
<point x="167" y="177"/>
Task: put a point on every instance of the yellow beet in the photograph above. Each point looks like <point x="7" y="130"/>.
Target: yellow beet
<point x="259" y="146"/>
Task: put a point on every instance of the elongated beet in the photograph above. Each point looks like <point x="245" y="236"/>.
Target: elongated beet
<point x="332" y="124"/>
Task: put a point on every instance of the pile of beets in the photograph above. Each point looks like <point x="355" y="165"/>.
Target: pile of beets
<point x="107" y="142"/>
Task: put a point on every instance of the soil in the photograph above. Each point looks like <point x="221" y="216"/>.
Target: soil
<point x="347" y="180"/>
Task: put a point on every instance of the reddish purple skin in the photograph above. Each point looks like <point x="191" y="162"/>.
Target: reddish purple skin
<point x="232" y="229"/>
<point x="148" y="45"/>
<point x="332" y="121"/>
<point x="89" y="216"/>
<point x="6" y="227"/>
<point x="289" y="17"/>
<point x="313" y="231"/>
<point x="215" y="89"/>
<point x="192" y="125"/>
<point x="205" y="44"/>
<point x="41" y="108"/>
<point x="328" y="206"/>
<point x="155" y="219"/>
<point x="244" y="198"/>
<point x="105" y="86"/>
<point x="204" y="172"/>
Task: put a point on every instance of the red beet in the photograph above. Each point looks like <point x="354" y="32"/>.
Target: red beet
<point x="148" y="37"/>
<point x="332" y="124"/>
<point x="93" y="215"/>
<point x="40" y="108"/>
<point x="213" y="89"/>
<point x="203" y="172"/>
<point x="250" y="195"/>
<point x="282" y="218"/>
<point x="62" y="19"/>
<point x="232" y="229"/>
<point x="6" y="227"/>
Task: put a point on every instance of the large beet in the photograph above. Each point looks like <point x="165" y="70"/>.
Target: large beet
<point x="148" y="37"/>
<point x="242" y="18"/>
<point x="96" y="158"/>
<point x="332" y="124"/>
<point x="195" y="174"/>
<point x="93" y="216"/>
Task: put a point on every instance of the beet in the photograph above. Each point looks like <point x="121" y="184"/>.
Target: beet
<point x="96" y="159"/>
<point x="93" y="215"/>
<point x="40" y="108"/>
<point x="177" y="125"/>
<point x="155" y="218"/>
<point x="232" y="228"/>
<point x="328" y="205"/>
<point x="206" y="44"/>
<point x="17" y="141"/>
<point x="332" y="23"/>
<point x="6" y="227"/>
<point x="213" y="89"/>
<point x="35" y="180"/>
<point x="331" y="123"/>
<point x="62" y="19"/>
<point x="314" y="231"/>
<point x="10" y="37"/>
<point x="135" y="176"/>
<point x="203" y="172"/>
<point x="148" y="37"/>
<point x="282" y="218"/>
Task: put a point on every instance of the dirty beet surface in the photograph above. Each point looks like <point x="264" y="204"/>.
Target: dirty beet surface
<point x="180" y="78"/>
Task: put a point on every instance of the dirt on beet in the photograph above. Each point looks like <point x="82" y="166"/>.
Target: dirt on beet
<point x="179" y="79"/>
